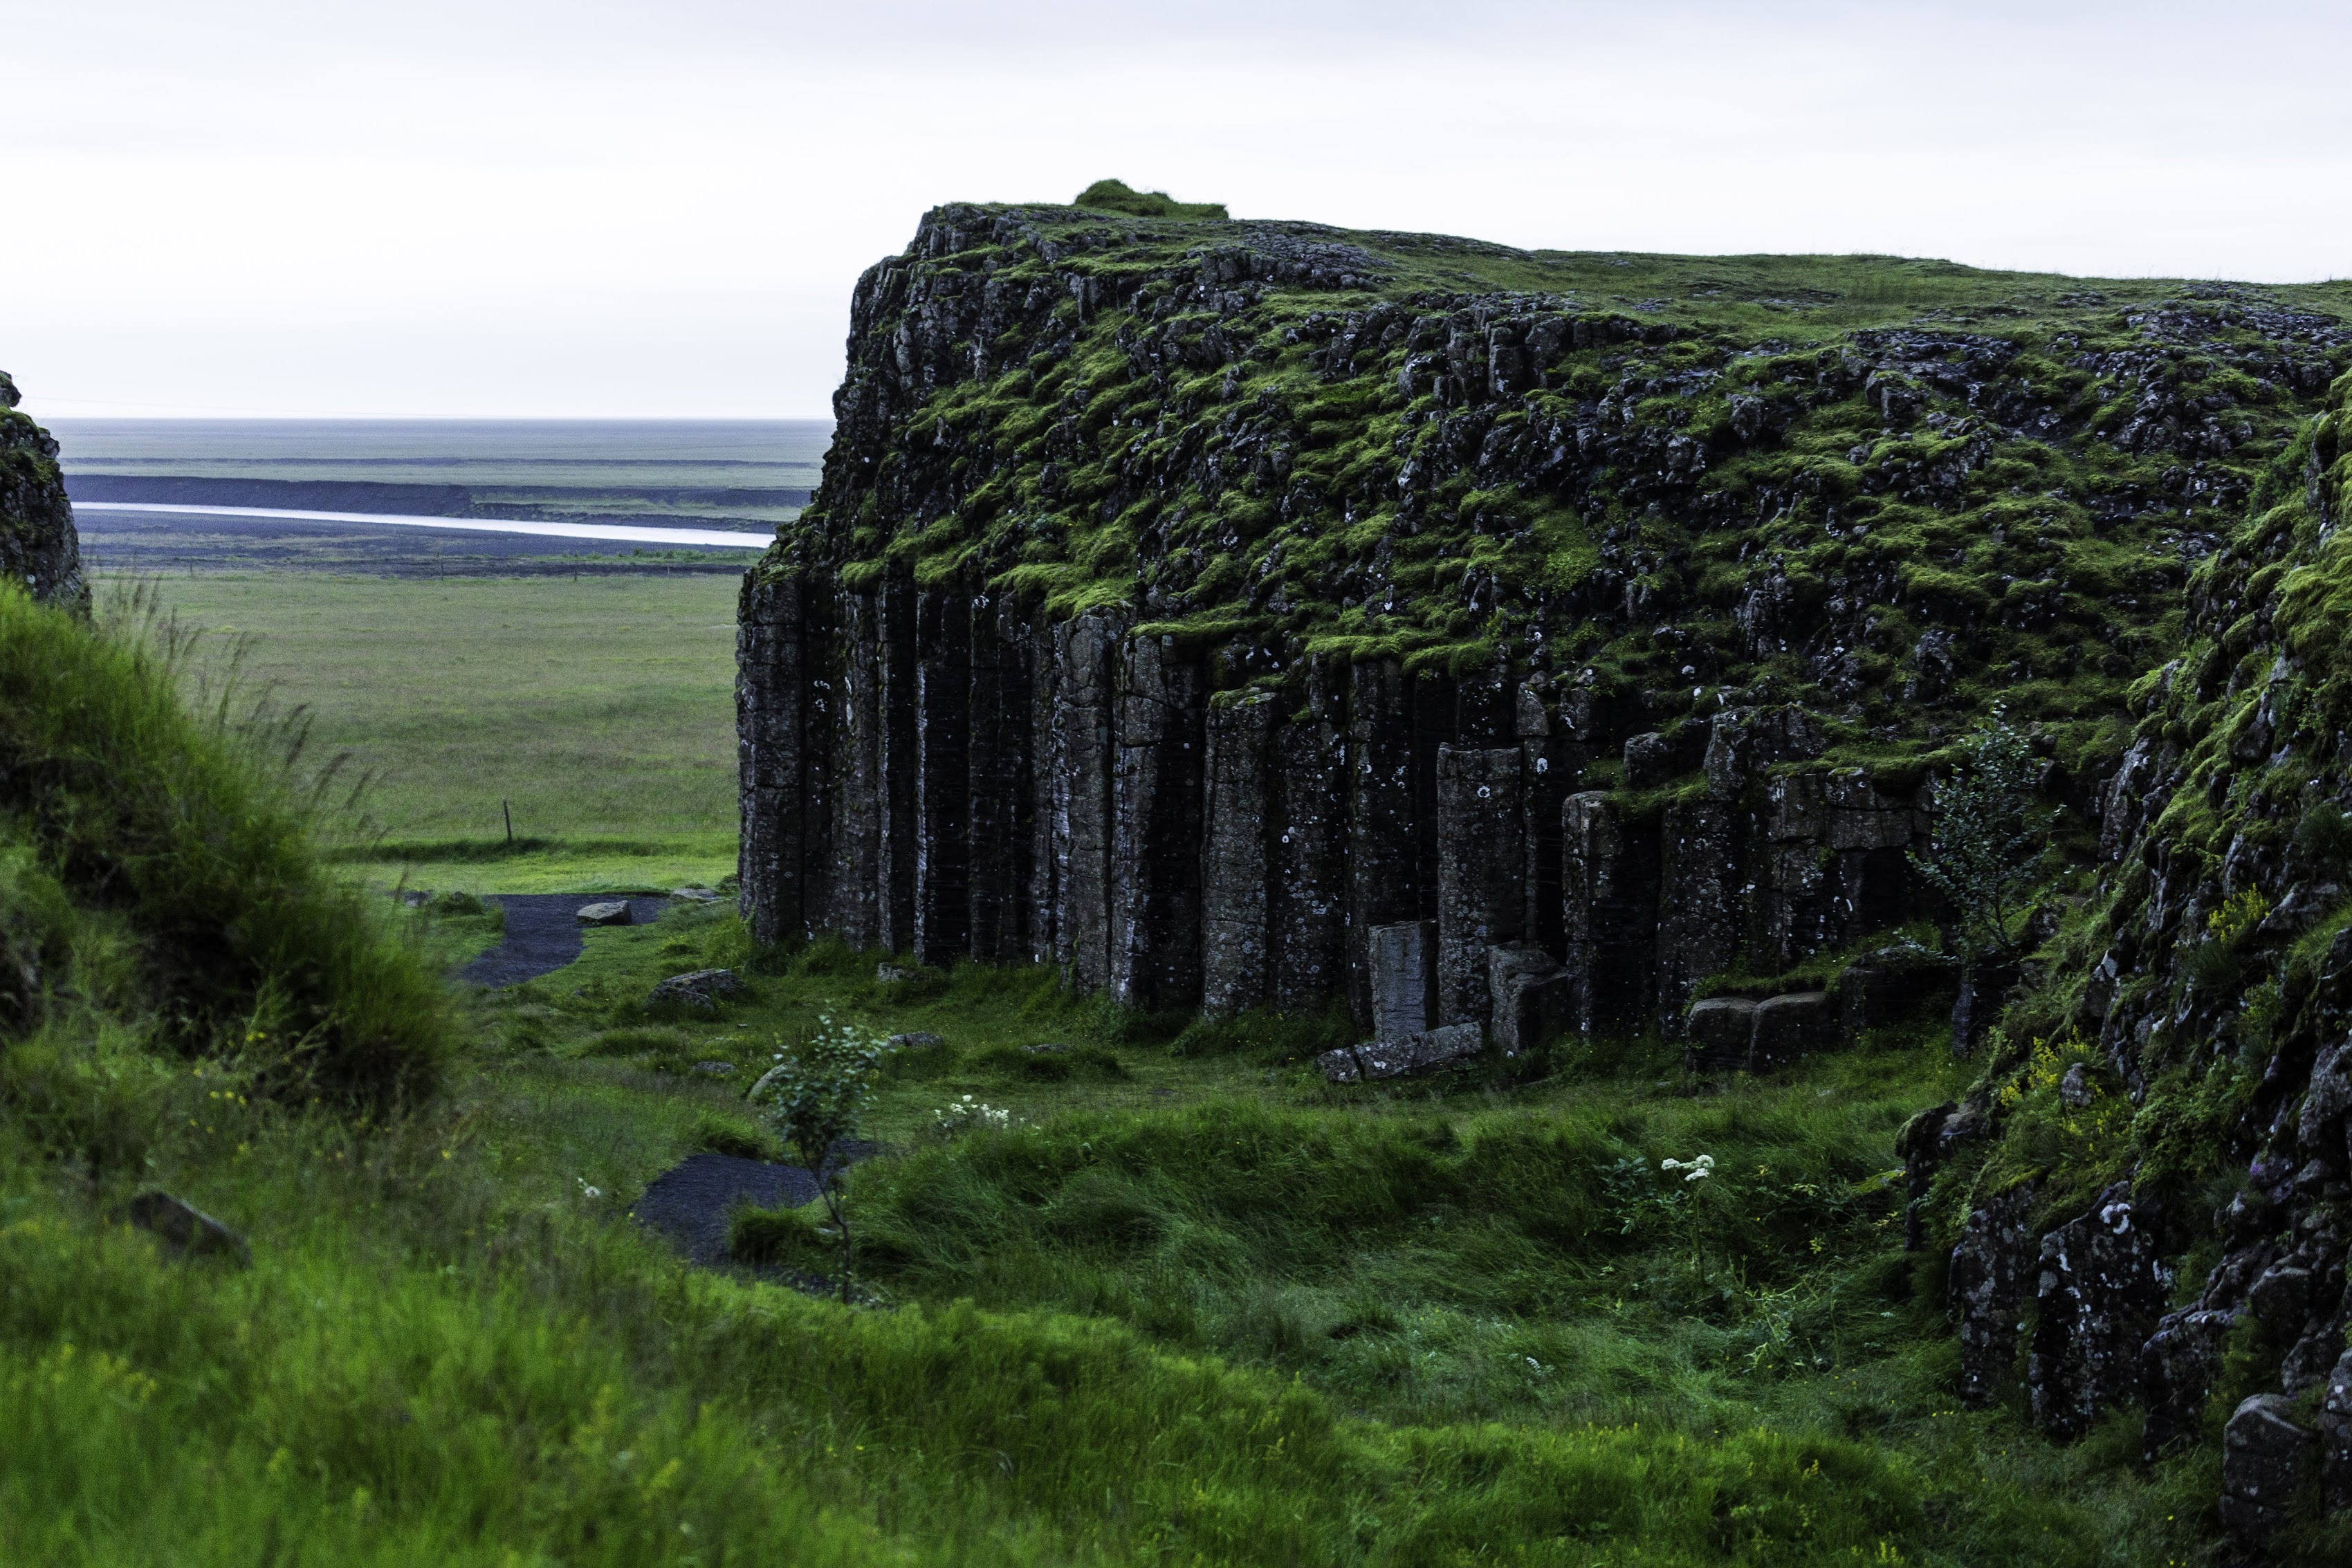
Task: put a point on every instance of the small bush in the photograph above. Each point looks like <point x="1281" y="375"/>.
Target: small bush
<point x="721" y="1136"/>
<point x="782" y="1237"/>
<point x="1118" y="196"/>
<point x="925" y="1062"/>
<point x="636" y="1041"/>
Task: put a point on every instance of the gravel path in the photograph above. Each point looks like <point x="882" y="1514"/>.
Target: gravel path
<point x="542" y="936"/>
<point x="689" y="1202"/>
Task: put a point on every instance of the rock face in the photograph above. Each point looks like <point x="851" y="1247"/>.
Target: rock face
<point x="1189" y="672"/>
<point x="38" y="546"/>
<point x="2198" y="955"/>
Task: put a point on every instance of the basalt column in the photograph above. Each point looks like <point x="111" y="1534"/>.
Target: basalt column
<point x="1481" y="872"/>
<point x="1609" y="870"/>
<point x="1048" y="796"/>
<point x="943" y="811"/>
<point x="773" y="696"/>
<point x="1001" y="795"/>
<point x="1083" y="750"/>
<point x="901" y="830"/>
<point x="1155" y="870"/>
<point x="1699" y="905"/>
<point x="1236" y="957"/>
<point x="1309" y="897"/>
<point x="856" y="773"/>
<point x="1383" y="858"/>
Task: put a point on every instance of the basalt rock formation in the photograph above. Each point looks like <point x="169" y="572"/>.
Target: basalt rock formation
<point x="1186" y="599"/>
<point x="2156" y="1170"/>
<point x="38" y="544"/>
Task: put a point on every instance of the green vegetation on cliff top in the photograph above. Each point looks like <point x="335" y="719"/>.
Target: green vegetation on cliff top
<point x="1893" y="490"/>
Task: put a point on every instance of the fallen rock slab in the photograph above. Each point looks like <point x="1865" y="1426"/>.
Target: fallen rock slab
<point x="1720" y="1029"/>
<point x="187" y="1231"/>
<point x="611" y="912"/>
<point x="1415" y="1053"/>
<point x="701" y="991"/>
<point x="1789" y="1027"/>
<point x="2262" y="1458"/>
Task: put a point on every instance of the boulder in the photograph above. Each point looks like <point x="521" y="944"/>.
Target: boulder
<point x="2335" y="1440"/>
<point x="1789" y="1027"/>
<point x="1529" y="994"/>
<point x="1891" y="986"/>
<point x="2176" y="1371"/>
<point x="701" y="991"/>
<point x="917" y="1040"/>
<point x="1720" y="1030"/>
<point x="2261" y="1458"/>
<point x="1415" y="1053"/>
<point x="2100" y="1290"/>
<point x="1988" y="1288"/>
<point x="187" y="1231"/>
<point x="1652" y="759"/>
<point x="1403" y="962"/>
<point x="1976" y="999"/>
<point x="608" y="912"/>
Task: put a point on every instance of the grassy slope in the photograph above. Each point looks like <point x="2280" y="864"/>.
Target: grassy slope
<point x="1200" y="1308"/>
<point x="602" y="708"/>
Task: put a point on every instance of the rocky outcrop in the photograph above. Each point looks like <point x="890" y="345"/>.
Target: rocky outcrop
<point x="2190" y="1026"/>
<point x="1187" y="602"/>
<point x="38" y="546"/>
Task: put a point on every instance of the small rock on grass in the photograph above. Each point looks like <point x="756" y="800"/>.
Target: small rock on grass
<point x="187" y="1231"/>
<point x="702" y="990"/>
<point x="920" y="1040"/>
<point x="611" y="912"/>
<point x="696" y="894"/>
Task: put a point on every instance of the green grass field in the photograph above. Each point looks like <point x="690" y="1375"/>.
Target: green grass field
<point x="600" y="709"/>
<point x="1189" y="1304"/>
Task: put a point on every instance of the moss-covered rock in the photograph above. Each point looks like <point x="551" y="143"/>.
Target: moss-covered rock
<point x="38" y="543"/>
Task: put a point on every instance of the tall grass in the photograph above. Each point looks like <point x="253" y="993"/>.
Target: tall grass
<point x="186" y="830"/>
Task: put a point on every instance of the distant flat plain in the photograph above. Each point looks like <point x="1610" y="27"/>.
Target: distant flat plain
<point x="599" y="709"/>
<point x="588" y="690"/>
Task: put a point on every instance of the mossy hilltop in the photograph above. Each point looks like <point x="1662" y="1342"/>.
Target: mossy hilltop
<point x="1891" y="491"/>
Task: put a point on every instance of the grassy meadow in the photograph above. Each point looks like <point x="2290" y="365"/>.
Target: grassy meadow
<point x="1185" y="1303"/>
<point x="599" y="709"/>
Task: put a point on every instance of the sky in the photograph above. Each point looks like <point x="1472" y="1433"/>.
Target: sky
<point x="578" y="208"/>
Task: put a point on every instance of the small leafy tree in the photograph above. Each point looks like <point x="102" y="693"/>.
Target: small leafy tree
<point x="816" y="1097"/>
<point x="1988" y="849"/>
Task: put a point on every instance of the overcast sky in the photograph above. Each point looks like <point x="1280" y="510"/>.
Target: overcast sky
<point x="570" y="207"/>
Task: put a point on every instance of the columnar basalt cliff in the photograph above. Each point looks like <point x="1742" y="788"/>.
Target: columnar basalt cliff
<point x="38" y="544"/>
<point x="1187" y="600"/>
<point x="1244" y="615"/>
